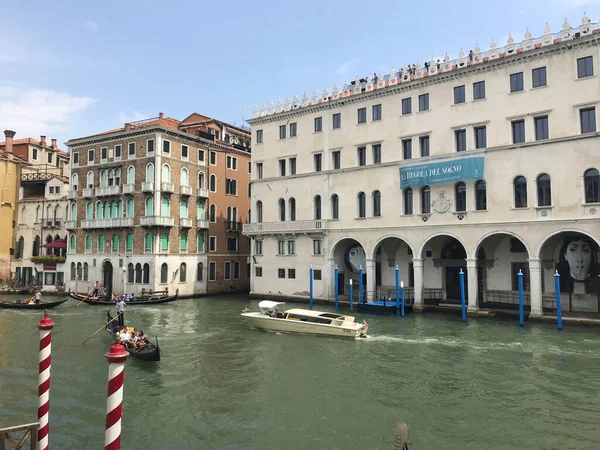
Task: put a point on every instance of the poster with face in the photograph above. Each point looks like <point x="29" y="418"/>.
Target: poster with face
<point x="354" y="258"/>
<point x="578" y="263"/>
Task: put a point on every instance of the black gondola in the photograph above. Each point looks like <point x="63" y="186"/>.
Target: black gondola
<point x="23" y="305"/>
<point x="107" y="301"/>
<point x="149" y="352"/>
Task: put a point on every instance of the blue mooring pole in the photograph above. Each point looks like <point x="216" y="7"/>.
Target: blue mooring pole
<point x="521" y="317"/>
<point x="350" y="294"/>
<point x="558" y="307"/>
<point x="335" y="274"/>
<point x="397" y="290"/>
<point x="311" y="287"/>
<point x="462" y="296"/>
<point x="402" y="295"/>
<point x="360" y="286"/>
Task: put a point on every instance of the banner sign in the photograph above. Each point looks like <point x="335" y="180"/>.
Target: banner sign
<point x="49" y="266"/>
<point x="441" y="172"/>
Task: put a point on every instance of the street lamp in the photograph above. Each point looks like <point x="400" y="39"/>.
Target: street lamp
<point x="124" y="279"/>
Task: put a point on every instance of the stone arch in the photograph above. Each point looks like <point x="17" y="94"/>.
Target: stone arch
<point x="545" y="240"/>
<point x="388" y="236"/>
<point x="441" y="234"/>
<point x="388" y="252"/>
<point x="334" y="245"/>
<point x="499" y="232"/>
<point x="348" y="254"/>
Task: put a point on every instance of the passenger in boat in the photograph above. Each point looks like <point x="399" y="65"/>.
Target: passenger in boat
<point x="272" y="313"/>
<point x="38" y="296"/>
<point x="132" y="298"/>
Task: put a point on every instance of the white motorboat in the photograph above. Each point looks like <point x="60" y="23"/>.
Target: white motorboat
<point x="304" y="321"/>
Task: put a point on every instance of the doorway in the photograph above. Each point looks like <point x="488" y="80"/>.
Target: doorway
<point x="453" y="284"/>
<point x="341" y="285"/>
<point x="107" y="276"/>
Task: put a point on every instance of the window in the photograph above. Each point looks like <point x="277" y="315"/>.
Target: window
<point x="103" y="153"/>
<point x="337" y="121"/>
<point x="259" y="136"/>
<point x="184" y="178"/>
<point x="362" y="115"/>
<point x="376" y="204"/>
<point x="231" y="162"/>
<point x="249" y="166"/>
<point x="35" y="154"/>
<point x="213" y="183"/>
<point x="232" y="244"/>
<point x="317" y="207"/>
<point x="212" y="271"/>
<point x="130" y="273"/>
<point x="293" y="129"/>
<point x="541" y="128"/>
<point x="460" y="196"/>
<point x="335" y="206"/>
<point x="258" y="211"/>
<point x="183" y="209"/>
<point x="149" y="206"/>
<point x="200" y="272"/>
<point x="292" y="273"/>
<point x="406" y="148"/>
<point x="166" y="147"/>
<point x="281" y="247"/>
<point x="129" y="242"/>
<point x="479" y="90"/>
<point x="460" y="136"/>
<point x="317" y="247"/>
<point x="406" y="106"/>
<point x="165" y="207"/>
<point x="138" y="273"/>
<point x="282" y="167"/>
<point x="212" y="244"/>
<point x="459" y="94"/>
<point x="201" y="157"/>
<point x="425" y="200"/>
<point x="538" y="77"/>
<point x="213" y="158"/>
<point x="150" y="173"/>
<point x="281" y="204"/>
<point x="115" y="242"/>
<point x="318" y="162"/>
<point x="292" y="203"/>
<point x="117" y="152"/>
<point x="88" y="243"/>
<point x="258" y="247"/>
<point x="317" y="274"/>
<point x="591" y="181"/>
<point x="423" y="102"/>
<point x="291" y="247"/>
<point x="588" y="120"/>
<point x="318" y="124"/>
<point x="408" y="201"/>
<point x="150" y="146"/>
<point x="131" y="147"/>
<point x="200" y="242"/>
<point x="282" y="131"/>
<point x="362" y="205"/>
<point x="90" y="156"/>
<point x="424" y="145"/>
<point x="212" y="214"/>
<point x="258" y="271"/>
<point x="49" y="158"/>
<point x="166" y="174"/>
<point x="336" y="157"/>
<point x="227" y="270"/>
<point x="185" y="151"/>
<point x="147" y="242"/>
<point x="376" y="148"/>
<point x="480" y="195"/>
<point x="516" y="82"/>
<point x="544" y="190"/>
<point x="292" y="166"/>
<point x="281" y="273"/>
<point x="376" y="112"/>
<point x="520" y="190"/>
<point x="75" y="159"/>
<point x="259" y="170"/>
<point x="480" y="137"/>
<point x="131" y="175"/>
<point x="230" y="186"/>
<point x="585" y="67"/>
<point x="518" y="131"/>
<point x="361" y="153"/>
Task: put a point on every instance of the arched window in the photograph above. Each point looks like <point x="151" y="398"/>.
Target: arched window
<point x="183" y="273"/>
<point x="88" y="243"/>
<point x="90" y="179"/>
<point x="213" y="183"/>
<point x="544" y="190"/>
<point x="49" y="212"/>
<point x="74" y="182"/>
<point x="425" y="200"/>
<point x="200" y="210"/>
<point x="85" y="271"/>
<point x="111" y="177"/>
<point x="335" y="206"/>
<point x="317" y="207"/>
<point x="149" y="206"/>
<point x="138" y="273"/>
<point x="201" y="180"/>
<point x="101" y="243"/>
<point x="164" y="242"/>
<point x="200" y="272"/>
<point x="131" y="175"/>
<point x="99" y="210"/>
<point x="72" y="246"/>
<point x="591" y="181"/>
<point x="164" y="273"/>
<point x="376" y="204"/>
<point x="259" y="212"/>
<point x="184" y="177"/>
<point x="228" y="214"/>
<point x="56" y="213"/>
<point x="19" y="249"/>
<point x="129" y="242"/>
<point x="164" y="207"/>
<point x="212" y="215"/>
<point x="79" y="271"/>
<point x="166" y="174"/>
<point x="89" y="211"/>
<point x="408" y="201"/>
<point x="48" y="241"/>
<point x="460" y="196"/>
<point x="118" y="177"/>
<point x="183" y="242"/>
<point x="130" y="208"/>
<point x="115" y="241"/>
<point x="57" y="250"/>
<point x="73" y="273"/>
<point x="292" y="204"/>
<point x="120" y="208"/>
<point x="37" y="213"/>
<point x="248" y="220"/>
<point x="234" y="214"/>
<point x="480" y="195"/>
<point x="148" y="242"/>
<point x="146" y="274"/>
<point x="103" y="178"/>
<point x="113" y="210"/>
<point x="74" y="211"/>
<point x="130" y="273"/>
<point x="362" y="204"/>
<point x="150" y="173"/>
<point x="183" y="209"/>
<point x="520" y="188"/>
<point x="36" y="246"/>
<point x="281" y="210"/>
<point x="200" y="239"/>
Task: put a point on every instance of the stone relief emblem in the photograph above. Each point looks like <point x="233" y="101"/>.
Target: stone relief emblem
<point x="441" y="204"/>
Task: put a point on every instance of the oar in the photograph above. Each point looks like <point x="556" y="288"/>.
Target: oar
<point x="84" y="299"/>
<point x="103" y="326"/>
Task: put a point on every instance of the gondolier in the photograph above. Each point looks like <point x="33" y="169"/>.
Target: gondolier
<point x="38" y="297"/>
<point x="121" y="311"/>
<point x="96" y="289"/>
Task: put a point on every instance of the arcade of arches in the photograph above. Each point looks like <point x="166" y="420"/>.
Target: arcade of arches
<point x="491" y="271"/>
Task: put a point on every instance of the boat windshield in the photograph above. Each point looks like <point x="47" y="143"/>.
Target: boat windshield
<point x="331" y="316"/>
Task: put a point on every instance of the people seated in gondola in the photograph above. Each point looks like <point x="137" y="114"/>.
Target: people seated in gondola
<point x="132" y="298"/>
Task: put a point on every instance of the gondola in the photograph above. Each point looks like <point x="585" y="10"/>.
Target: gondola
<point x="41" y="305"/>
<point x="149" y="352"/>
<point x="107" y="301"/>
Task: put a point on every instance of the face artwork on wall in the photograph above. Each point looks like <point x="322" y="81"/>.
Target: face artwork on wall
<point x="354" y="258"/>
<point x="578" y="263"/>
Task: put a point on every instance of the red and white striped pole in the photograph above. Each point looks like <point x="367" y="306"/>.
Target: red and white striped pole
<point x="45" y="326"/>
<point x="114" y="403"/>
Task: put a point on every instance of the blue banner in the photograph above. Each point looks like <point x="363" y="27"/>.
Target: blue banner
<point x="441" y="172"/>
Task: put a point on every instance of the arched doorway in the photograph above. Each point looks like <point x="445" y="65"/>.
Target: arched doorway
<point x="349" y="255"/>
<point x="107" y="276"/>
<point x="389" y="252"/>
<point x="443" y="258"/>
<point x="576" y="257"/>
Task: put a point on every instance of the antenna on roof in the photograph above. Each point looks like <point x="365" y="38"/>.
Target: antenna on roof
<point x="243" y="115"/>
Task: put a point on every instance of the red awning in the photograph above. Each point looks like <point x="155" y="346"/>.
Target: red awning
<point x="59" y="243"/>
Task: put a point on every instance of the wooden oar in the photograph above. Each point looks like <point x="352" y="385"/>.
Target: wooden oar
<point x="82" y="300"/>
<point x="103" y="326"/>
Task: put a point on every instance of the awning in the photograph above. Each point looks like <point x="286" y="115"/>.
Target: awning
<point x="59" y="243"/>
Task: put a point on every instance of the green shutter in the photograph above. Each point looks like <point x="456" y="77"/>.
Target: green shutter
<point x="130" y="242"/>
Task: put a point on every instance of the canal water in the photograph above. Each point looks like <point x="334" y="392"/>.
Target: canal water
<point x="223" y="385"/>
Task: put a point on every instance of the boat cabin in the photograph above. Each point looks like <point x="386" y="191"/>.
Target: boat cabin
<point x="275" y="310"/>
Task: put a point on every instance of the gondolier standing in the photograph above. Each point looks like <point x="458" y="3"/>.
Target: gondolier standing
<point x="96" y="289"/>
<point x="121" y="311"/>
<point x="38" y="296"/>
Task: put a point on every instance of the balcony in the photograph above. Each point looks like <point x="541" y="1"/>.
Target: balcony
<point x="147" y="186"/>
<point x="72" y="194"/>
<point x="157" y="221"/>
<point x="299" y="226"/>
<point x="185" y="222"/>
<point x="202" y="223"/>
<point x="88" y="192"/>
<point x="185" y="190"/>
<point x="71" y="224"/>
<point x="128" y="189"/>
<point x="203" y="192"/>
<point x="233" y="226"/>
<point x="167" y="187"/>
<point x="108" y="190"/>
<point x="107" y="223"/>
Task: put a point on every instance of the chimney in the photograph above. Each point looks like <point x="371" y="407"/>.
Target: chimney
<point x="128" y="126"/>
<point x="54" y="144"/>
<point x="8" y="145"/>
<point x="161" y="115"/>
<point x="43" y="141"/>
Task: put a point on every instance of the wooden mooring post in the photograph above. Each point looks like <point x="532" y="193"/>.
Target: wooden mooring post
<point x="16" y="443"/>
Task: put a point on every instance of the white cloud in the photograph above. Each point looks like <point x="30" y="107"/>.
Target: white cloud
<point x="34" y="112"/>
<point x="133" y="116"/>
<point x="91" y="26"/>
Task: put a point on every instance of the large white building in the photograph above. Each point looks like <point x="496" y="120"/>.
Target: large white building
<point x="488" y="163"/>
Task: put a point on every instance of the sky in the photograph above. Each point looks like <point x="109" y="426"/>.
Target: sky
<point x="72" y="68"/>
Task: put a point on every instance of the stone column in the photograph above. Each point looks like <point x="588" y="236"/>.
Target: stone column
<point x="473" y="284"/>
<point x="418" y="276"/>
<point x="328" y="291"/>
<point x="371" y="280"/>
<point x="535" y="287"/>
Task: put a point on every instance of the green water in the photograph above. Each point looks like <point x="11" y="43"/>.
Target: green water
<point x="224" y="385"/>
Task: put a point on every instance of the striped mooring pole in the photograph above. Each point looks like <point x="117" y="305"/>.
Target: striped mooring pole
<point x="116" y="357"/>
<point x="45" y="326"/>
